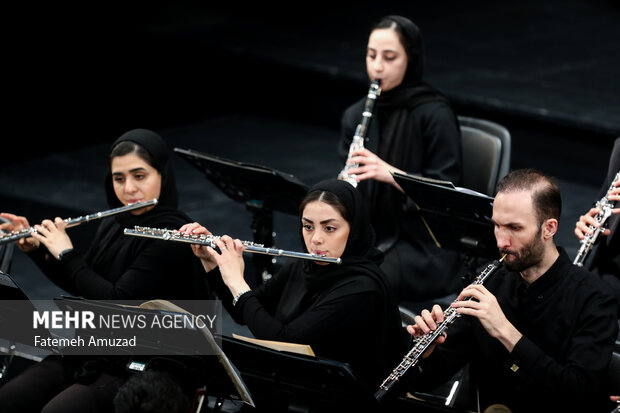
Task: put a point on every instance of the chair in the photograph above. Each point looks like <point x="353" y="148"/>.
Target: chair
<point x="486" y="154"/>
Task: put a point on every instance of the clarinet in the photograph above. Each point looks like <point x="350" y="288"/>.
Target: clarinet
<point x="360" y="132"/>
<point x="422" y="343"/>
<point x="72" y="222"/>
<point x="209" y="240"/>
<point x="587" y="243"/>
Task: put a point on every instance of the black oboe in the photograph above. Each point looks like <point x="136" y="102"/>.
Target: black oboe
<point x="422" y="343"/>
<point x="360" y="132"/>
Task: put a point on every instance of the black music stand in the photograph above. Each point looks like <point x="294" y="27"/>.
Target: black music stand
<point x="459" y="219"/>
<point x="262" y="189"/>
<point x="177" y="352"/>
<point x="15" y="313"/>
<point x="281" y="381"/>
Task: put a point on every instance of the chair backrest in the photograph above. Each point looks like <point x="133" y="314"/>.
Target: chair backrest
<point x="486" y="153"/>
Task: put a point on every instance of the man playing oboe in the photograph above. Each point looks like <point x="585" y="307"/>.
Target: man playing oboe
<point x="539" y="334"/>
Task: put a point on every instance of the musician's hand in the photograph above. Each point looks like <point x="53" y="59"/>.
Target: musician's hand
<point x="53" y="235"/>
<point x="485" y="307"/>
<point x="372" y="167"/>
<point x="208" y="262"/>
<point x="230" y="261"/>
<point x="582" y="227"/>
<point x="615" y="399"/>
<point x="19" y="223"/>
<point x="425" y="323"/>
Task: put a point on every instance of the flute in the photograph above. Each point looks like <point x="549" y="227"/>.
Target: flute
<point x="422" y="343"/>
<point x="72" y="222"/>
<point x="209" y="240"/>
<point x="588" y="241"/>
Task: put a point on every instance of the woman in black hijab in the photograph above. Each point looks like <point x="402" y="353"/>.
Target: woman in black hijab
<point x="414" y="131"/>
<point x="344" y="312"/>
<point x="113" y="267"/>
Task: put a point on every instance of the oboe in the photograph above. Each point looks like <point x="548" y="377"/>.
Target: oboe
<point x="587" y="243"/>
<point x="360" y="132"/>
<point x="72" y="222"/>
<point x="209" y="240"/>
<point x="422" y="343"/>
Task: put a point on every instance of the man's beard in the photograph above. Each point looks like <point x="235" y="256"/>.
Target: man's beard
<point x="531" y="254"/>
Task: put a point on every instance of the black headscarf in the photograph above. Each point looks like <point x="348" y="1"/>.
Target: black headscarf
<point x="160" y="216"/>
<point x="359" y="251"/>
<point x="160" y="153"/>
<point x="359" y="270"/>
<point x="394" y="109"/>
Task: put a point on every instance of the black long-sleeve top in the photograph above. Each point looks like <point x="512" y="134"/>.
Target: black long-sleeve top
<point x="121" y="267"/>
<point x="338" y="326"/>
<point x="431" y="148"/>
<point x="568" y="322"/>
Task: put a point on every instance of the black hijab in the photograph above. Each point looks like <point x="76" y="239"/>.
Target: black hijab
<point x="160" y="216"/>
<point x="394" y="108"/>
<point x="358" y="272"/>
<point x="359" y="252"/>
<point x="160" y="154"/>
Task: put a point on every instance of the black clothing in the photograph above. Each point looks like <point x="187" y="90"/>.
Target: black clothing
<point x="120" y="267"/>
<point x="606" y="258"/>
<point x="413" y="129"/>
<point x="329" y="307"/>
<point x="430" y="147"/>
<point x="114" y="267"/>
<point x="568" y="322"/>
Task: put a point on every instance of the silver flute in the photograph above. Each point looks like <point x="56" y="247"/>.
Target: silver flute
<point x="587" y="243"/>
<point x="422" y="343"/>
<point x="72" y="222"/>
<point x="209" y="240"/>
<point x="360" y="132"/>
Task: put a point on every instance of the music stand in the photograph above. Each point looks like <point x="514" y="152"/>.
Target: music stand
<point x="15" y="313"/>
<point x="262" y="189"/>
<point x="285" y="381"/>
<point x="168" y="351"/>
<point x="459" y="219"/>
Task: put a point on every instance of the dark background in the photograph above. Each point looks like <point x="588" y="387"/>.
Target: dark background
<point x="267" y="84"/>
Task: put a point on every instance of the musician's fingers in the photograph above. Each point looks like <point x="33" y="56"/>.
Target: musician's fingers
<point x="238" y="245"/>
<point x="579" y="230"/>
<point x="414" y="330"/>
<point x="428" y="319"/>
<point x="213" y="253"/>
<point x="188" y="228"/>
<point x="19" y="222"/>
<point x="200" y="230"/>
<point x="437" y="313"/>
<point x="229" y="243"/>
<point x="220" y="244"/>
<point x="588" y="218"/>
<point x="60" y="223"/>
